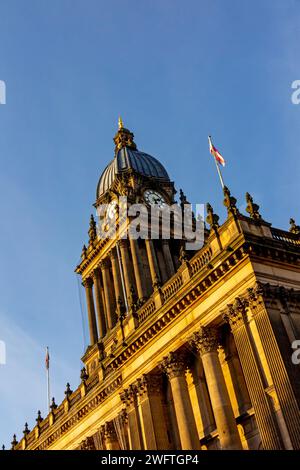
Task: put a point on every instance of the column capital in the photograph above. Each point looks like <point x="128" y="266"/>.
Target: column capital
<point x="206" y="340"/>
<point x="122" y="242"/>
<point x="87" y="444"/>
<point x="123" y="416"/>
<point x="174" y="365"/>
<point x="88" y="282"/>
<point x="109" y="430"/>
<point x="266" y="293"/>
<point x="149" y="384"/>
<point x="113" y="254"/>
<point x="128" y="396"/>
<point x="96" y="273"/>
<point x="104" y="263"/>
<point x="234" y="314"/>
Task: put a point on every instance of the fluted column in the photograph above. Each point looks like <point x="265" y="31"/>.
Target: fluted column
<point x="264" y="416"/>
<point x="99" y="304"/>
<point x="138" y="270"/>
<point x="168" y="257"/>
<point x="88" y="284"/>
<point x="126" y="264"/>
<point x="116" y="275"/>
<point x="153" y="264"/>
<point x="174" y="366"/>
<point x="261" y="299"/>
<point x="153" y="426"/>
<point x="206" y="342"/>
<point x="110" y="436"/>
<point x="108" y="293"/>
<point x="129" y="398"/>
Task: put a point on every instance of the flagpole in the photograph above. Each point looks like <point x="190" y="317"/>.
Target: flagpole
<point x="217" y="165"/>
<point x="219" y="173"/>
<point x="48" y="379"/>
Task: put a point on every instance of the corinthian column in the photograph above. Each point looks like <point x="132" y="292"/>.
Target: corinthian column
<point x="129" y="398"/>
<point x="153" y="426"/>
<point x="266" y="303"/>
<point x="168" y="257"/>
<point x="174" y="365"/>
<point x="264" y="416"/>
<point x="138" y="270"/>
<point x="99" y="304"/>
<point x="108" y="293"/>
<point x="88" y="284"/>
<point x="116" y="275"/>
<point x="153" y="264"/>
<point x="110" y="436"/>
<point x="127" y="265"/>
<point x="206" y="342"/>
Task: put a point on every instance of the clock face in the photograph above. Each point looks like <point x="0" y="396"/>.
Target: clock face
<point x="112" y="209"/>
<point x="154" y="198"/>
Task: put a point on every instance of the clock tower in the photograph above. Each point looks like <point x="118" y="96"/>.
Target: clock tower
<point x="121" y="272"/>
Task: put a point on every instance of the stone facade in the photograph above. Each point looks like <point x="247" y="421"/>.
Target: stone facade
<point x="187" y="351"/>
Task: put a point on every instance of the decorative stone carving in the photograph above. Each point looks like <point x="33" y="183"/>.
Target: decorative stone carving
<point x="229" y="202"/>
<point x="88" y="282"/>
<point x="14" y="442"/>
<point x="124" y="138"/>
<point x="252" y="208"/>
<point x="39" y="418"/>
<point x="267" y="294"/>
<point x="212" y="219"/>
<point x="68" y="390"/>
<point x="293" y="227"/>
<point x="53" y="405"/>
<point x="234" y="313"/>
<point x="104" y="263"/>
<point x="26" y="430"/>
<point x="206" y="340"/>
<point x="92" y="230"/>
<point x="174" y="365"/>
<point x="87" y="444"/>
<point x="128" y="396"/>
<point x="109" y="430"/>
<point x="84" y="252"/>
<point x="84" y="375"/>
<point x="149" y="384"/>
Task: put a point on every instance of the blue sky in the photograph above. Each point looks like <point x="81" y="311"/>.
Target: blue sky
<point x="176" y="72"/>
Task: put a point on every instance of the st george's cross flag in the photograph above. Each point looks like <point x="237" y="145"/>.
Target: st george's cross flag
<point x="215" y="152"/>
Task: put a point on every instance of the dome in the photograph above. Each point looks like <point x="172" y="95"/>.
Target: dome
<point x="127" y="157"/>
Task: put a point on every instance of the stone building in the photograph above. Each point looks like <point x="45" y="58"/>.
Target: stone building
<point x="188" y="350"/>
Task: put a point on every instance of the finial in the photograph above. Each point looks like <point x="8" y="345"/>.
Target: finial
<point x="120" y="123"/>
<point x="293" y="227"/>
<point x="68" y="390"/>
<point x="252" y="208"/>
<point x="83" y="374"/>
<point x="229" y="202"/>
<point x="26" y="430"/>
<point x="92" y="229"/>
<point x="39" y="417"/>
<point x="183" y="198"/>
<point x="123" y="138"/>
<point x="132" y="298"/>
<point x="14" y="442"/>
<point x="212" y="219"/>
<point x="53" y="405"/>
<point x="3" y="447"/>
<point x="84" y="252"/>
<point x="183" y="257"/>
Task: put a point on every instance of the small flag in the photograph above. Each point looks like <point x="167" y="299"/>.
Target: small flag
<point x="47" y="360"/>
<point x="215" y="152"/>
